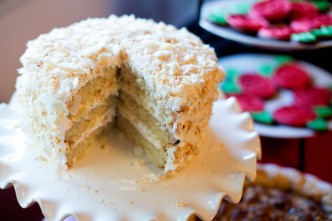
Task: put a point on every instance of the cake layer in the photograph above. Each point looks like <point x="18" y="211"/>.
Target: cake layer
<point x="74" y="154"/>
<point x="157" y="156"/>
<point x="134" y="112"/>
<point x="92" y="95"/>
<point x="135" y="86"/>
<point x="151" y="135"/>
<point x="168" y="157"/>
<point x="98" y="117"/>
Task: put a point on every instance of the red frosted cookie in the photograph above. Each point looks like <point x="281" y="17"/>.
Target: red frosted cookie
<point x="291" y="76"/>
<point x="257" y="85"/>
<point x="307" y="24"/>
<point x="249" y="102"/>
<point x="271" y="10"/>
<point x="294" y="116"/>
<point x="302" y="10"/>
<point x="279" y="33"/>
<point x="312" y="97"/>
<point x="246" y="24"/>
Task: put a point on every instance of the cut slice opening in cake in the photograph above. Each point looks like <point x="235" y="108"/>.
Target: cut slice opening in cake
<point x="95" y="109"/>
<point x="140" y="118"/>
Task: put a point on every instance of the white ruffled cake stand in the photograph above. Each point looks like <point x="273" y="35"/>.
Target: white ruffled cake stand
<point x="116" y="182"/>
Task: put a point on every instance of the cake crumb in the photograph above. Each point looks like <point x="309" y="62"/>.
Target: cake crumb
<point x="233" y="174"/>
<point x="137" y="163"/>
<point x="16" y="125"/>
<point x="138" y="150"/>
<point x="181" y="204"/>
<point x="41" y="158"/>
<point x="153" y="177"/>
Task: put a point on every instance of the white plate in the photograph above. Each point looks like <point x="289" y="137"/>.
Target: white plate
<point x="114" y="183"/>
<point x="252" y="62"/>
<point x="231" y="34"/>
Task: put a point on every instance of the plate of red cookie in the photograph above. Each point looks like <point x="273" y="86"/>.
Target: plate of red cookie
<point x="272" y="24"/>
<point x="286" y="98"/>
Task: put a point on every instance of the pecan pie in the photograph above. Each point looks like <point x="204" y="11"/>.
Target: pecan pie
<point x="281" y="194"/>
